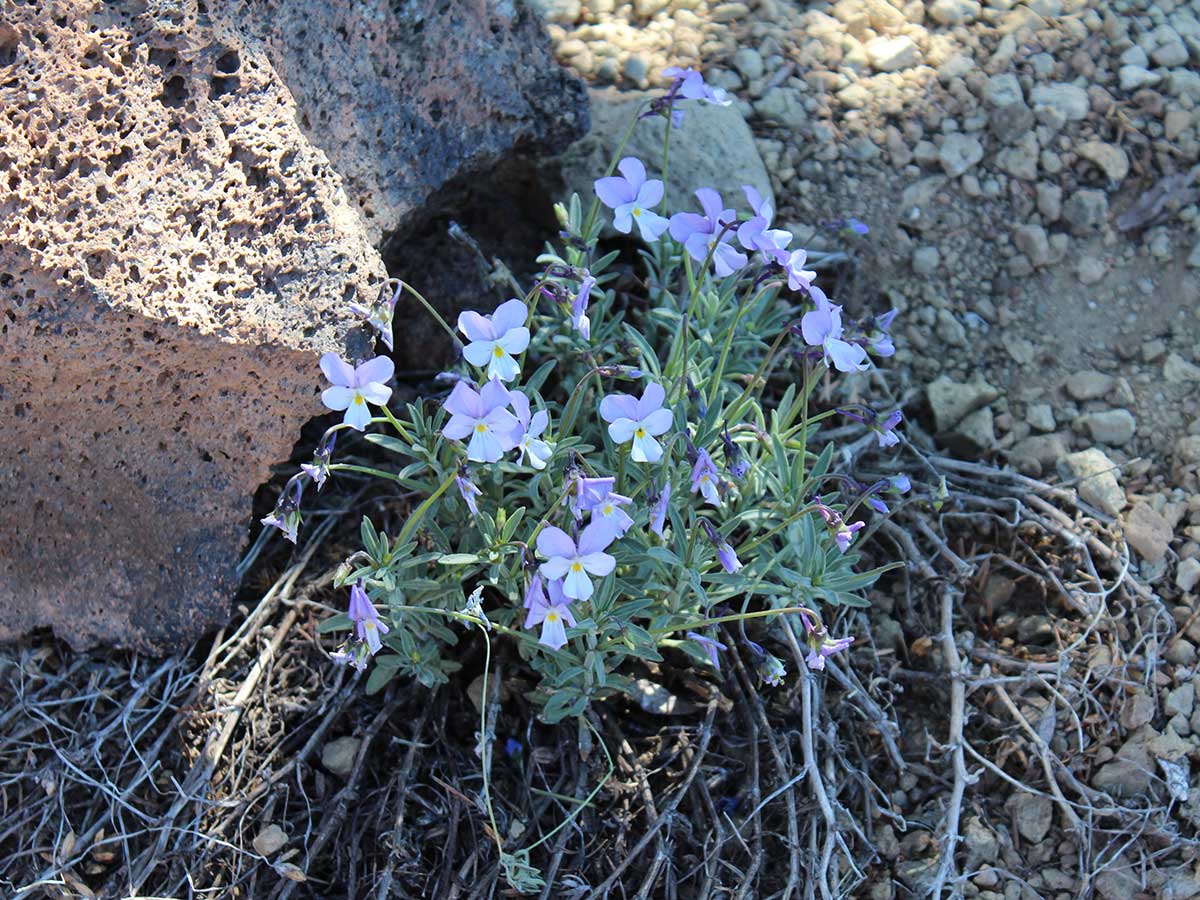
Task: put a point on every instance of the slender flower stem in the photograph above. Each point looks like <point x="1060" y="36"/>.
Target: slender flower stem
<point x="587" y="801"/>
<point x="433" y="312"/>
<point x="395" y="423"/>
<point x="720" y="371"/>
<point x="419" y="513"/>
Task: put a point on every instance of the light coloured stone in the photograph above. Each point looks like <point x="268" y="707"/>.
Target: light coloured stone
<point x="1110" y="158"/>
<point x="1069" y="100"/>
<point x="893" y="53"/>
<point x="1096" y="478"/>
<point x="958" y="153"/>
<point x="339" y="754"/>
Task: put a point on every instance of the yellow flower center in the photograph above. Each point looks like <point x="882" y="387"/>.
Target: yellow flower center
<point x="640" y="433"/>
<point x="358" y="400"/>
<point x="481" y="427"/>
<point x="607" y="509"/>
<point x="576" y="567"/>
<point x="369" y="625"/>
<point x="498" y="351"/>
<point x="637" y="210"/>
<point x="552" y="616"/>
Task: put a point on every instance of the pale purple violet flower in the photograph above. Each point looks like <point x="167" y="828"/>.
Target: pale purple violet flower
<point x="483" y="417"/>
<point x="589" y="493"/>
<point x="529" y="430"/>
<point x="900" y="484"/>
<point x="885" y="431"/>
<point x="286" y="515"/>
<point x="535" y="591"/>
<point x="366" y="618"/>
<point x="843" y="534"/>
<point x="345" y="656"/>
<point x="468" y="489"/>
<point x="710" y="647"/>
<point x="823" y="328"/>
<point x="608" y="514"/>
<point x="579" y="317"/>
<point x="725" y="553"/>
<point x="690" y="85"/>
<point x="698" y="233"/>
<point x="706" y="478"/>
<point x="379" y="315"/>
<point x="879" y="340"/>
<point x="496" y="339"/>
<point x="638" y="420"/>
<point x="798" y="277"/>
<point x="658" y="512"/>
<point x="318" y="469"/>
<point x="572" y="561"/>
<point x="737" y="466"/>
<point x="356" y="386"/>
<point x="757" y="233"/>
<point x="632" y="199"/>
<point x="821" y="645"/>
<point x="553" y="614"/>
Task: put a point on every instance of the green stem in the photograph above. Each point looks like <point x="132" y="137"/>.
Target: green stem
<point x="364" y="470"/>
<point x="433" y="312"/>
<point x="587" y="800"/>
<point x="742" y="307"/>
<point x="396" y="424"/>
<point x="486" y="744"/>
<point x="419" y="513"/>
<point x="568" y="419"/>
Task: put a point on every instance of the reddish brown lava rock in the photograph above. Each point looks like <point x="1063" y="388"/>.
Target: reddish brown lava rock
<point x="173" y="251"/>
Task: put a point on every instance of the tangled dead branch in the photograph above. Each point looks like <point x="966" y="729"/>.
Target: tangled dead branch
<point x="991" y="673"/>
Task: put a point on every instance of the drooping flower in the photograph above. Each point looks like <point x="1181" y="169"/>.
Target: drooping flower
<point x="706" y="479"/>
<point x="632" y="198"/>
<point x="366" y="618"/>
<point x="884" y="429"/>
<point x="482" y="416"/>
<point x="900" y="484"/>
<point x="356" y="386"/>
<point x="579" y="317"/>
<point x="879" y="339"/>
<point x="468" y="489"/>
<point x="792" y="262"/>
<point x="698" y="233"/>
<point x="572" y="561"/>
<point x="638" y="420"/>
<point x="318" y="469"/>
<point x="608" y="514"/>
<point x="474" y="609"/>
<point x="725" y="553"/>
<point x="710" y="647"/>
<point x="379" y="315"/>
<point x="820" y="645"/>
<point x="553" y="614"/>
<point x="658" y="511"/>
<point x="756" y="234"/>
<point x="737" y="466"/>
<point x="690" y="85"/>
<point x="355" y="657"/>
<point x="822" y="327"/>
<point x="843" y="534"/>
<point x="286" y="515"/>
<point x="496" y="339"/>
<point x="770" y="669"/>
<point x="529" y="430"/>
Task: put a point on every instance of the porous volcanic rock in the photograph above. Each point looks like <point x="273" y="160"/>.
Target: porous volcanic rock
<point x="177" y="245"/>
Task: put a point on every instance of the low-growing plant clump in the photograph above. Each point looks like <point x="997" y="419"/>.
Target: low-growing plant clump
<point x="612" y="476"/>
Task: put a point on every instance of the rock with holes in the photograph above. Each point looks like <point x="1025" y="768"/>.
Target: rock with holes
<point x="193" y="194"/>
